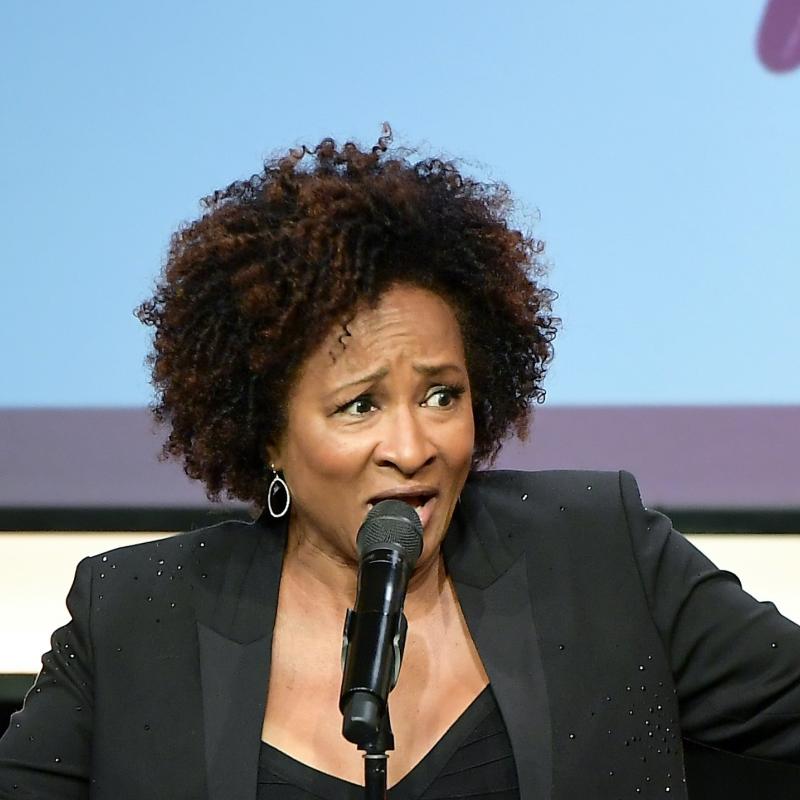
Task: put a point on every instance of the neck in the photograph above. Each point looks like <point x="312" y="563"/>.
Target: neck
<point x="328" y="580"/>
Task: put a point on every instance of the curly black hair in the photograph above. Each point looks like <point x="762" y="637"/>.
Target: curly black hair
<point x="254" y="284"/>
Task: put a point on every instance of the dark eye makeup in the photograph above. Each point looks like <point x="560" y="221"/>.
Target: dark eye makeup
<point x="453" y="390"/>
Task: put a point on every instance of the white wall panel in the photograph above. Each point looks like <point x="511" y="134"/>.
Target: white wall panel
<point x="36" y="571"/>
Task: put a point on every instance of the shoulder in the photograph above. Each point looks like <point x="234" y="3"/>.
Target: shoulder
<point x="150" y="566"/>
<point x="563" y="505"/>
<point x="569" y="519"/>
<point x="548" y="489"/>
<point x="130" y="593"/>
<point x="216" y="539"/>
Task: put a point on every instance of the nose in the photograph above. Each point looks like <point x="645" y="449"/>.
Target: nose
<point x="405" y="443"/>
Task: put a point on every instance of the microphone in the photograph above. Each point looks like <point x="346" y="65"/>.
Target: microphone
<point x="389" y="543"/>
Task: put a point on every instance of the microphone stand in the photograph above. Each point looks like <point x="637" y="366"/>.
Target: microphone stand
<point x="376" y="761"/>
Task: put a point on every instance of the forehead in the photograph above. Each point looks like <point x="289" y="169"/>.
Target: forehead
<point x="407" y="323"/>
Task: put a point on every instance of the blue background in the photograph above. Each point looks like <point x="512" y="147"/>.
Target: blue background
<point x="645" y="142"/>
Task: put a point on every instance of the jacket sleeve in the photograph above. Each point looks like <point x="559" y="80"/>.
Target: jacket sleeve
<point x="735" y="660"/>
<point x="45" y="753"/>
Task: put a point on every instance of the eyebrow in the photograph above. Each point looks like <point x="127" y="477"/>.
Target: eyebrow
<point x="429" y="370"/>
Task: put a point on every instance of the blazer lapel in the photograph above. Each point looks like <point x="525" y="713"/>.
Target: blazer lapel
<point x="236" y="618"/>
<point x="234" y="629"/>
<point x="492" y="587"/>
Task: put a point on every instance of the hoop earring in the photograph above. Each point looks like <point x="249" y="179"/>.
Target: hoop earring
<point x="276" y="485"/>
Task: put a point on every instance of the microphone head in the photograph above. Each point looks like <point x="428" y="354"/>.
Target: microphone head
<point x="394" y="523"/>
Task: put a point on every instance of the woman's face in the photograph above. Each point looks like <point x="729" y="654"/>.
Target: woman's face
<point x="384" y="411"/>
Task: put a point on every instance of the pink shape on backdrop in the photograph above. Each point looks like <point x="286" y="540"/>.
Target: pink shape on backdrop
<point x="779" y="35"/>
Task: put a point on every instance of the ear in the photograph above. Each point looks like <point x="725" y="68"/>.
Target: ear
<point x="274" y="456"/>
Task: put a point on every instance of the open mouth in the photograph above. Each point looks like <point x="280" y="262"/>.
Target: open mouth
<point x="423" y="504"/>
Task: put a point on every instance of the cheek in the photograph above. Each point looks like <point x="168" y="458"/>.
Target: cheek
<point x="314" y="455"/>
<point x="461" y="439"/>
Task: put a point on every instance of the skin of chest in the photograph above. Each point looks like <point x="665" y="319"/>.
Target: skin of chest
<point x="441" y="675"/>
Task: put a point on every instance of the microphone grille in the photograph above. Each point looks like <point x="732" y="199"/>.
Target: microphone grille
<point x="392" y="522"/>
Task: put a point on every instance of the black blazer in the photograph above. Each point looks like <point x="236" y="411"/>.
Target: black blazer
<point x="608" y="639"/>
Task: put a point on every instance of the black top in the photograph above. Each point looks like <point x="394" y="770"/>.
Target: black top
<point x="472" y="760"/>
<point x="572" y="592"/>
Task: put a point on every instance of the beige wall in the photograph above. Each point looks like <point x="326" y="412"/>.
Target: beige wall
<point x="36" y="570"/>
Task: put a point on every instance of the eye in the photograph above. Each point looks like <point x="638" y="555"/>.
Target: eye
<point x="358" y="407"/>
<point x="445" y="396"/>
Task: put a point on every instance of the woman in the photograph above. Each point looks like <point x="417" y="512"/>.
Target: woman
<point x="327" y="336"/>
